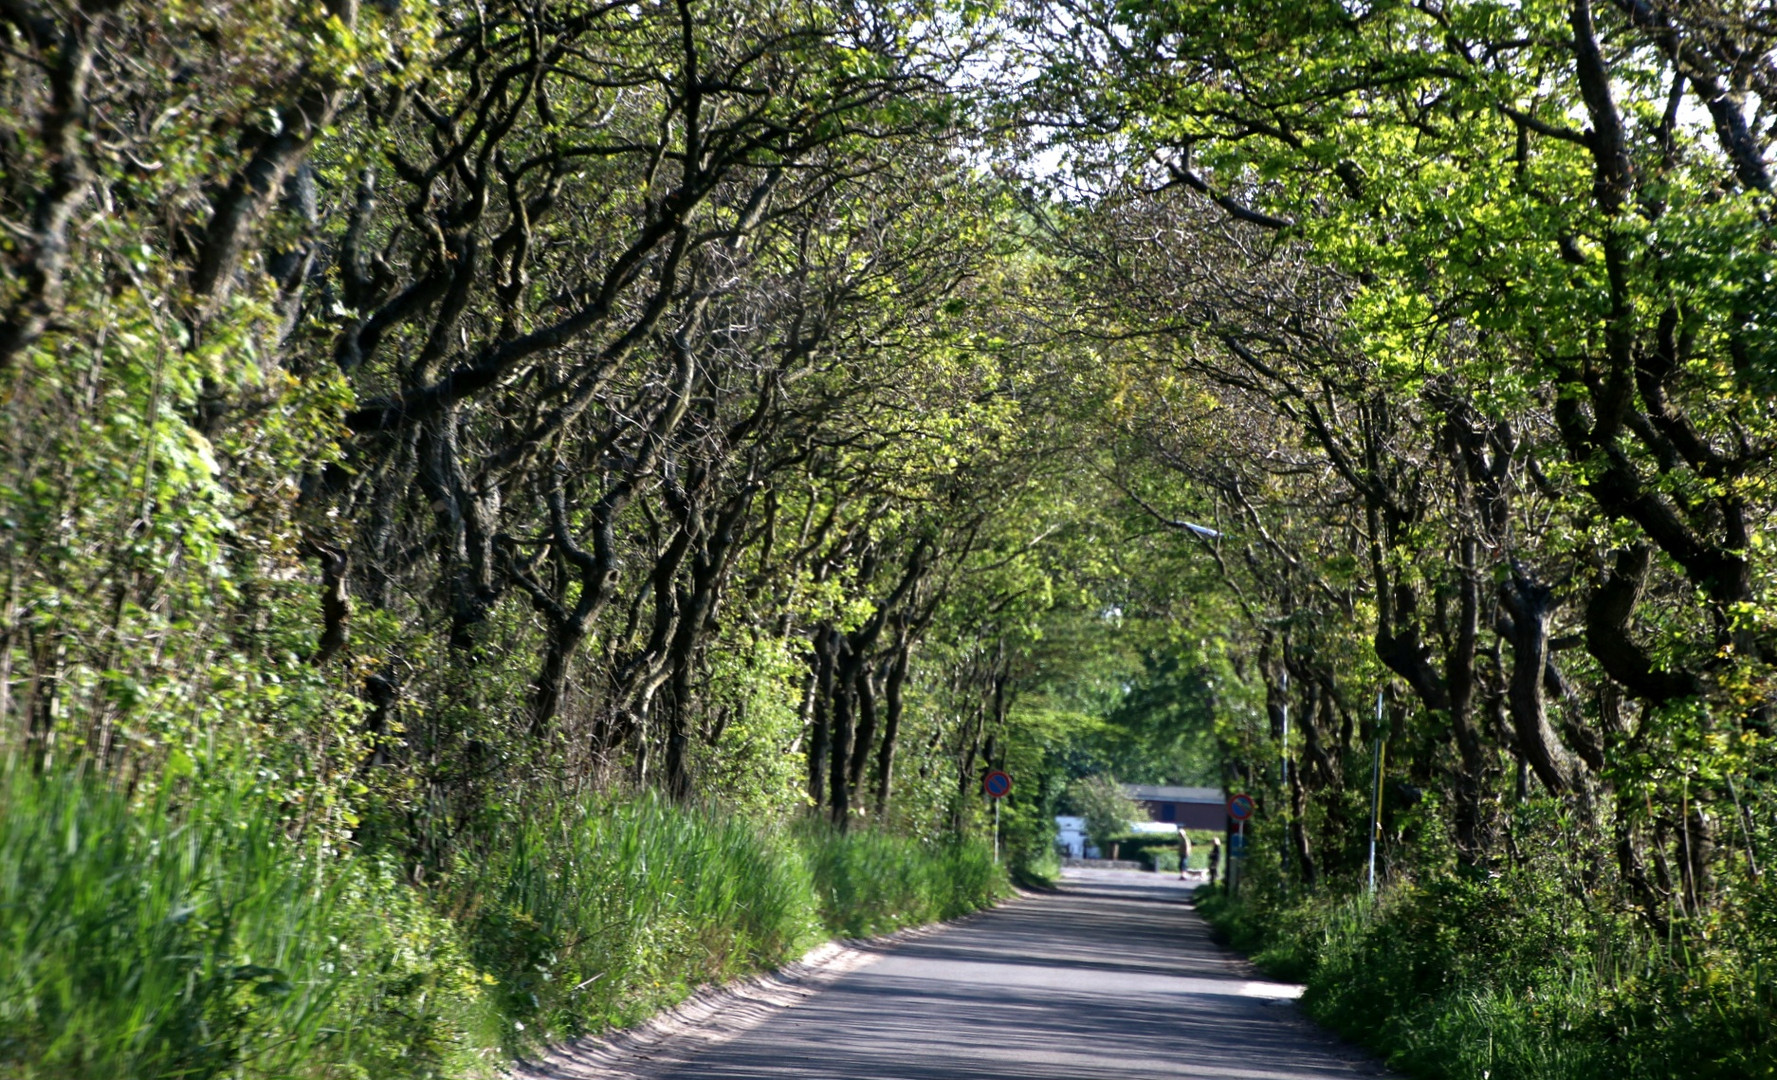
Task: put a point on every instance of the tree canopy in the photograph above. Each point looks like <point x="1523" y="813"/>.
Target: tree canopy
<point x="801" y="408"/>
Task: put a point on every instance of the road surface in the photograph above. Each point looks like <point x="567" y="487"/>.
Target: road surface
<point x="1114" y="977"/>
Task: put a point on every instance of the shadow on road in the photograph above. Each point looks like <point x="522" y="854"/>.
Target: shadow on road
<point x="1112" y="978"/>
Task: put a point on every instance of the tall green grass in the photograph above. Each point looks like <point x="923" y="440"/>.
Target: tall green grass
<point x="153" y="942"/>
<point x="869" y="881"/>
<point x="190" y="936"/>
<point x="596" y="913"/>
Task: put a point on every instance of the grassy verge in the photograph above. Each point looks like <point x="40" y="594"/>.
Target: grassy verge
<point x="1510" y="979"/>
<point x="190" y="936"/>
<point x="871" y="882"/>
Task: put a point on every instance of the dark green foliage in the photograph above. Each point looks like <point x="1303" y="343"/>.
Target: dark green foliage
<point x="1162" y="730"/>
<point x="416" y="531"/>
<point x="1511" y="978"/>
<point x="1441" y="332"/>
<point x="1107" y="810"/>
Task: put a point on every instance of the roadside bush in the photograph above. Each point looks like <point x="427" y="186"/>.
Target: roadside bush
<point x="1108" y="812"/>
<point x="1509" y="978"/>
<point x="1159" y="851"/>
<point x="412" y="1004"/>
<point x="1028" y="831"/>
<point x="1141" y="847"/>
<point x="1037" y="870"/>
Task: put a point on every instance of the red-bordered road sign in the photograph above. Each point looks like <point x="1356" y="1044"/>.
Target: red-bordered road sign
<point x="996" y="784"/>
<point x="1240" y="807"/>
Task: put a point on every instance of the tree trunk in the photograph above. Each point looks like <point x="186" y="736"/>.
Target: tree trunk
<point x="551" y="682"/>
<point x="1460" y="678"/>
<point x="1298" y="796"/>
<point x="1608" y="612"/>
<point x="708" y="573"/>
<point x="865" y="690"/>
<point x="839" y="779"/>
<point x="1531" y="605"/>
<point x="821" y="737"/>
<point x="891" y="728"/>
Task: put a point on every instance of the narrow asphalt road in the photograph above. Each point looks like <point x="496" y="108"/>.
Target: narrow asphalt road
<point x="1114" y="977"/>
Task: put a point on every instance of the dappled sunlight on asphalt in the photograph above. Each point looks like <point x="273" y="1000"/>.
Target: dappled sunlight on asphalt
<point x="1114" y="977"/>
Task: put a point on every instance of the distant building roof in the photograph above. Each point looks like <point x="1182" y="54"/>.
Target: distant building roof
<point x="1167" y="793"/>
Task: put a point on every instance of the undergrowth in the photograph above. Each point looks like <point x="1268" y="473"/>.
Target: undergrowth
<point x="1508" y="977"/>
<point x="190" y="934"/>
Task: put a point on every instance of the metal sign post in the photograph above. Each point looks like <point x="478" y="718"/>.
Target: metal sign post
<point x="1376" y="794"/>
<point x="1285" y="773"/>
<point x="1240" y="808"/>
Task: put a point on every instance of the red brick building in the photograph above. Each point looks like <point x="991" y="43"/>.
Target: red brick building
<point x="1192" y="807"/>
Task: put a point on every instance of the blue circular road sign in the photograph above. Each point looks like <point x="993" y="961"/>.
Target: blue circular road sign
<point x="1240" y="807"/>
<point x="996" y="784"/>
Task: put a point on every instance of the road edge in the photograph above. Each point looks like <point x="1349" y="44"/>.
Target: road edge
<point x="721" y="1012"/>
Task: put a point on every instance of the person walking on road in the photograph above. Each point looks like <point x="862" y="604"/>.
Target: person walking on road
<point x="1215" y="860"/>
<point x="1184" y="851"/>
